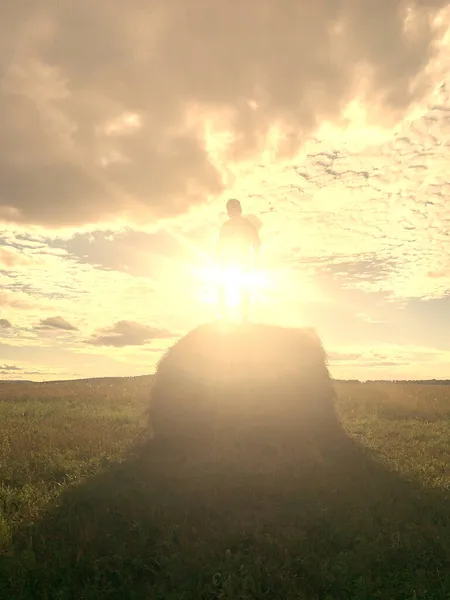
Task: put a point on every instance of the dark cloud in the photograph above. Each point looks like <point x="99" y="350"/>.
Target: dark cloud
<point x="5" y="324"/>
<point x="55" y="323"/>
<point x="9" y="369"/>
<point x="102" y="104"/>
<point x="128" y="333"/>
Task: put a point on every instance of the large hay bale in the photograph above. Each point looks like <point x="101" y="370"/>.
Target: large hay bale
<point x="249" y="381"/>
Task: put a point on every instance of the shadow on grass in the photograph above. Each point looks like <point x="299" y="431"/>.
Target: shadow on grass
<point x="295" y="520"/>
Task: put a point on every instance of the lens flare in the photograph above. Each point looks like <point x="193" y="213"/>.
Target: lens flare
<point x="234" y="281"/>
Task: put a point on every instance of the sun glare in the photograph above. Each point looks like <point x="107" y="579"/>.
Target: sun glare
<point x="234" y="281"/>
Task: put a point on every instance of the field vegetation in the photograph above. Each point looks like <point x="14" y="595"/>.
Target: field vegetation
<point x="90" y="509"/>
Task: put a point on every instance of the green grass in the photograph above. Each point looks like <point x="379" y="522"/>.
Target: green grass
<point x="89" y="510"/>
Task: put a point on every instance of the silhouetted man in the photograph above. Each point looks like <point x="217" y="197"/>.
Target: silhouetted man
<point x="238" y="247"/>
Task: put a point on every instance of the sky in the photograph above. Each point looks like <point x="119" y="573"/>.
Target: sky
<point x="125" y="127"/>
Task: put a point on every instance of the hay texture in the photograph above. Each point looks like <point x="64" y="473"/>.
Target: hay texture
<point x="251" y="382"/>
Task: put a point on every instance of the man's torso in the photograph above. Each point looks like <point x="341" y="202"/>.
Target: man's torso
<point x="237" y="238"/>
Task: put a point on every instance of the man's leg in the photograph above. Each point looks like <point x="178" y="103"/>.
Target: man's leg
<point x="245" y="302"/>
<point x="222" y="302"/>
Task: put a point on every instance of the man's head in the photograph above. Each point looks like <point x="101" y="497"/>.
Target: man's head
<point x="234" y="208"/>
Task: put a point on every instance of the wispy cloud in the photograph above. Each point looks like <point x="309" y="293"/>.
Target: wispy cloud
<point x="390" y="361"/>
<point x="128" y="333"/>
<point x="337" y="357"/>
<point x="16" y="372"/>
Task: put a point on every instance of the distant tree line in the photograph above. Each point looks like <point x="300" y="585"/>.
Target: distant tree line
<point x="403" y="381"/>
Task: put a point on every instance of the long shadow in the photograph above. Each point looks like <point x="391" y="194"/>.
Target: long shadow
<point x="310" y="519"/>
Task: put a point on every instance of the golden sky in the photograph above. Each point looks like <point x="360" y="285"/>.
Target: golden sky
<point x="124" y="128"/>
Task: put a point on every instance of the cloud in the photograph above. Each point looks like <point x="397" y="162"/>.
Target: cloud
<point x="114" y="110"/>
<point x="364" y="360"/>
<point x="409" y="361"/>
<point x="10" y="259"/>
<point x="373" y="219"/>
<point x="343" y="356"/>
<point x="385" y="363"/>
<point x="17" y="300"/>
<point x="128" y="333"/>
<point x="16" y="372"/>
<point x="133" y="252"/>
<point x="55" y="323"/>
<point x="5" y="324"/>
<point x="60" y="284"/>
<point x="9" y="369"/>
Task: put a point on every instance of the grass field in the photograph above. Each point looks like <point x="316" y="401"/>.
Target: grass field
<point x="88" y="510"/>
